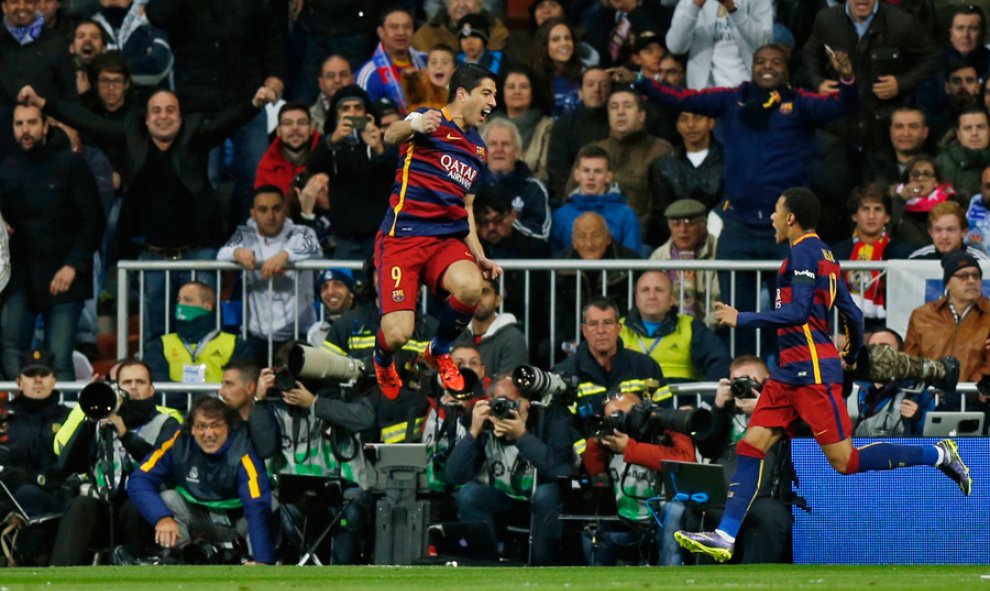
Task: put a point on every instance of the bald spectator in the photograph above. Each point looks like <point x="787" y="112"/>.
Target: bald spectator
<point x="586" y="124"/>
<point x="382" y="75"/>
<point x="442" y="28"/>
<point x="591" y="240"/>
<point x="687" y="220"/>
<point x="335" y="73"/>
<point x="956" y="324"/>
<point x="631" y="150"/>
<point x="684" y="348"/>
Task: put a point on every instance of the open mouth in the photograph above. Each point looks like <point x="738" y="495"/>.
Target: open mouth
<point x="485" y="113"/>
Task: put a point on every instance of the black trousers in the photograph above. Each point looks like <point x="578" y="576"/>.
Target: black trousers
<point x="85" y="527"/>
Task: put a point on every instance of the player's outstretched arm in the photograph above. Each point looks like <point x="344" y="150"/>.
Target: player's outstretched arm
<point x="794" y="313"/>
<point x="403" y="131"/>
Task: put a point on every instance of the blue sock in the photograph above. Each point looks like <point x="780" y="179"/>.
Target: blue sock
<point x="453" y="318"/>
<point x="889" y="456"/>
<point x="742" y="491"/>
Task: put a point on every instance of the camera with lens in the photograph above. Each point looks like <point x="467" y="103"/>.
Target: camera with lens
<point x="311" y="363"/>
<point x="502" y="408"/>
<point x="600" y="426"/>
<point x="743" y="386"/>
<point x="100" y="400"/>
<point x="543" y="385"/>
<point x="647" y="422"/>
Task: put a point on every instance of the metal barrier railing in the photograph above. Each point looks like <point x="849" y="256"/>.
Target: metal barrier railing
<point x="551" y="267"/>
<point x="691" y="391"/>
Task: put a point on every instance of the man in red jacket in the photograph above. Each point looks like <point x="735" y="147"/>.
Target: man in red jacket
<point x="632" y="468"/>
<point x="286" y="156"/>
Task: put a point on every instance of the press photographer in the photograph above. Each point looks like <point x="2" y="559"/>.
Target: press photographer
<point x="449" y="417"/>
<point x="30" y="468"/>
<point x="766" y="531"/>
<point x="112" y="430"/>
<point x="508" y="464"/>
<point x="300" y="432"/>
<point x="627" y="445"/>
<point x="603" y="364"/>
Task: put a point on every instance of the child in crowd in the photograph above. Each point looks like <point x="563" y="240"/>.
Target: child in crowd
<point x="428" y="87"/>
<point x="472" y="35"/>
<point x="648" y="52"/>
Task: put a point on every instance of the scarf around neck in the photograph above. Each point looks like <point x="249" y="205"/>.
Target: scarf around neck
<point x="28" y="34"/>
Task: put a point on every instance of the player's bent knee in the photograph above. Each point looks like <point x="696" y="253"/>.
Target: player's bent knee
<point x="841" y="465"/>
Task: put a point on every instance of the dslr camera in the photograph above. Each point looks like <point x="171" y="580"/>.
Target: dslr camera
<point x="647" y="422"/>
<point x="311" y="363"/>
<point x="743" y="386"/>
<point x="502" y="407"/>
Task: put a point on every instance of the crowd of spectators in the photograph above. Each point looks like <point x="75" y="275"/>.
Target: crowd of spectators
<point x="252" y="133"/>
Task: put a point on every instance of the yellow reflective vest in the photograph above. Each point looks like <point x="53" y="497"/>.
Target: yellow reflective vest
<point x="214" y="355"/>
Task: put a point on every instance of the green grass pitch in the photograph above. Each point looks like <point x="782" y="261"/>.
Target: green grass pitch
<point x="261" y="578"/>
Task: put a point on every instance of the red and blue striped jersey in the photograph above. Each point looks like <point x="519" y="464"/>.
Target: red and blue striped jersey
<point x="809" y="284"/>
<point x="435" y="172"/>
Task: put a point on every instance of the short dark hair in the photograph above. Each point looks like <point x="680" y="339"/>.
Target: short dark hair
<point x="640" y="103"/>
<point x="585" y="71"/>
<point x="133" y="361"/>
<point x="961" y="63"/>
<point x="388" y="10"/>
<point x="875" y="192"/>
<point x="492" y="197"/>
<point x="89" y="21"/>
<point x="969" y="10"/>
<point x="600" y="302"/>
<point x="893" y="333"/>
<point x="112" y="62"/>
<point x="804" y="204"/>
<point x="972" y="110"/>
<point x="210" y="406"/>
<point x="249" y="370"/>
<point x="443" y="47"/>
<point x="496" y="286"/>
<point x="906" y="175"/>
<point x="468" y="77"/>
<point x="593" y="151"/>
<point x="909" y="109"/>
<point x="263" y="189"/>
<point x="294" y="106"/>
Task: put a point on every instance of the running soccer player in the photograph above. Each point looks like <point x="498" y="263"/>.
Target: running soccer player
<point x="428" y="234"/>
<point x="808" y="383"/>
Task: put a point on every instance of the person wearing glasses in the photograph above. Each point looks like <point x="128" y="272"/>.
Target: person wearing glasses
<point x="690" y="239"/>
<point x="957" y="323"/>
<point x="603" y="364"/>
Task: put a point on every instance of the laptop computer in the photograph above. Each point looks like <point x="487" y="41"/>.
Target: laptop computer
<point x="953" y="424"/>
<point x="293" y="487"/>
<point x="693" y="483"/>
<point x="29" y="519"/>
<point x="468" y="539"/>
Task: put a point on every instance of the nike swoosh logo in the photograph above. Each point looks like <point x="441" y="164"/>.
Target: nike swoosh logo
<point x="452" y="137"/>
<point x="821" y="432"/>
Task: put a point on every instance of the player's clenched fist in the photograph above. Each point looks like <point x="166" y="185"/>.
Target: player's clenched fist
<point x="427" y="122"/>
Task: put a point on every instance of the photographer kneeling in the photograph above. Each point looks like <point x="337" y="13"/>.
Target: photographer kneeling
<point x="311" y="434"/>
<point x="766" y="531"/>
<point x="632" y="466"/>
<point x="506" y="448"/>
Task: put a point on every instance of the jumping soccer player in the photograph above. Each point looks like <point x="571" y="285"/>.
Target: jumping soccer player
<point x="808" y="384"/>
<point x="428" y="234"/>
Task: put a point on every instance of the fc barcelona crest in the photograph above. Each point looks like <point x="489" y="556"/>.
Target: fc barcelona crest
<point x="398" y="296"/>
